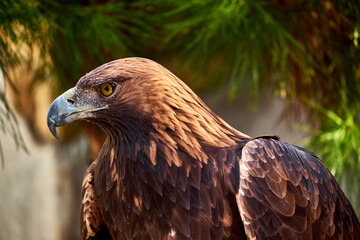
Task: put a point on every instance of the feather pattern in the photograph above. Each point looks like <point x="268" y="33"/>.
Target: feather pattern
<point x="293" y="196"/>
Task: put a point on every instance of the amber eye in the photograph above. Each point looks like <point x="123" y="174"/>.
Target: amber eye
<point x="106" y="89"/>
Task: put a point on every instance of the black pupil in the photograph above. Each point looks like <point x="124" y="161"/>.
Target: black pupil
<point x="107" y="88"/>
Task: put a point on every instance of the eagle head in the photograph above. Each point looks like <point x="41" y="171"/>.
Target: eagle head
<point x="125" y="93"/>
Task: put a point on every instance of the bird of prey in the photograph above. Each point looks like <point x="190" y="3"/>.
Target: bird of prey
<point x="170" y="168"/>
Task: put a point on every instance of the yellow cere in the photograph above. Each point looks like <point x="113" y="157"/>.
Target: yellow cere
<point x="106" y="89"/>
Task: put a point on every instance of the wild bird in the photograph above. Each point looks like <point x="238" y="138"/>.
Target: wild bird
<point x="172" y="169"/>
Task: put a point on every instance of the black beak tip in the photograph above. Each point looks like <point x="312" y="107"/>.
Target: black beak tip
<point x="52" y="120"/>
<point x="52" y="127"/>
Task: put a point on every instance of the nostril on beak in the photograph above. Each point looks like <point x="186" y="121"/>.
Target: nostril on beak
<point x="70" y="101"/>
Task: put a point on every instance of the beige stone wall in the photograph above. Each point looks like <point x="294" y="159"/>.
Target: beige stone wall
<point x="28" y="191"/>
<point x="40" y="190"/>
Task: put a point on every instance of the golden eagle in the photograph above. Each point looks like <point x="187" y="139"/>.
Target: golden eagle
<point x="170" y="168"/>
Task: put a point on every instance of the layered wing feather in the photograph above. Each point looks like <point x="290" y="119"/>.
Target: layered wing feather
<point x="286" y="192"/>
<point x="91" y="220"/>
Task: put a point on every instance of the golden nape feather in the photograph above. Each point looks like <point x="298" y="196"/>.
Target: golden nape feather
<point x="172" y="169"/>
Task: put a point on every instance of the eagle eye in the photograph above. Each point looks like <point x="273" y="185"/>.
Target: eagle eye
<point x="106" y="89"/>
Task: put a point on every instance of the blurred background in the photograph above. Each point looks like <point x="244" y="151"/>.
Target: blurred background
<point x="284" y="67"/>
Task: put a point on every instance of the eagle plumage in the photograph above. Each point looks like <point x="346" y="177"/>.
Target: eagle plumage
<point x="172" y="169"/>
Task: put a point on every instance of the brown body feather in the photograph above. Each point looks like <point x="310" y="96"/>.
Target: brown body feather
<point x="172" y="169"/>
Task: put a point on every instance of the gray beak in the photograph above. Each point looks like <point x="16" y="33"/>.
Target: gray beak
<point x="62" y="111"/>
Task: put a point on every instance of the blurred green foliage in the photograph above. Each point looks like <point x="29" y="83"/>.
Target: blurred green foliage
<point x="306" y="52"/>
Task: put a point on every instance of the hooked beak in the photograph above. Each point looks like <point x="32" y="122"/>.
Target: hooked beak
<point x="64" y="110"/>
